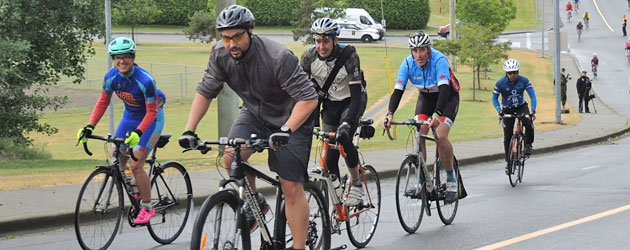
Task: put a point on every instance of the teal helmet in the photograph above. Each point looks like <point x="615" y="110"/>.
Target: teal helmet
<point x="121" y="45"/>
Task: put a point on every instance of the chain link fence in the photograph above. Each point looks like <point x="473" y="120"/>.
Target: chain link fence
<point x="177" y="81"/>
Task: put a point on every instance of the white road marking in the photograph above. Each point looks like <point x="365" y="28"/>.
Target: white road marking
<point x="591" y="167"/>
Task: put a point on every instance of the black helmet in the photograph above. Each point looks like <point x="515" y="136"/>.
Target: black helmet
<point x="234" y="17"/>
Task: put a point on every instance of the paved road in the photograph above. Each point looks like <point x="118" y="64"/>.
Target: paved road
<point x="558" y="189"/>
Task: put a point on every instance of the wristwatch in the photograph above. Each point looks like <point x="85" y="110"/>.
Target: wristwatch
<point x="285" y="128"/>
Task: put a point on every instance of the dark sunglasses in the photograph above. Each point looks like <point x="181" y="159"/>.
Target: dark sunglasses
<point x="512" y="72"/>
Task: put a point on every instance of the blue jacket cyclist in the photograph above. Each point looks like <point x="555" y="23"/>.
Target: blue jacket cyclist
<point x="512" y="89"/>
<point x="143" y="118"/>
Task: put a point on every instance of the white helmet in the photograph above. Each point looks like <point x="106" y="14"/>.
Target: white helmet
<point x="419" y="39"/>
<point x="594" y="54"/>
<point x="511" y="65"/>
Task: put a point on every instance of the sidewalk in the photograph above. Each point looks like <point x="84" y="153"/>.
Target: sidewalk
<point x="54" y="206"/>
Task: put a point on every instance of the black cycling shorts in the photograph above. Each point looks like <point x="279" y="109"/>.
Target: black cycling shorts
<point x="427" y="103"/>
<point x="289" y="162"/>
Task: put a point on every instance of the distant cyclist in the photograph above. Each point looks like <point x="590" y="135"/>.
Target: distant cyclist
<point x="428" y="70"/>
<point x="594" y="64"/>
<point x="628" y="47"/>
<point x="586" y="17"/>
<point x="568" y="8"/>
<point x="345" y="99"/>
<point x="579" y="29"/>
<point x="577" y="5"/>
<point x="512" y="89"/>
<point x="142" y="120"/>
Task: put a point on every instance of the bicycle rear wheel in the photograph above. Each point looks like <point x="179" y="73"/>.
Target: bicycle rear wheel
<point x="513" y="168"/>
<point x="446" y="210"/>
<point x="99" y="209"/>
<point x="318" y="235"/>
<point x="217" y="225"/>
<point x="410" y="198"/>
<point x="361" y="220"/>
<point x="171" y="195"/>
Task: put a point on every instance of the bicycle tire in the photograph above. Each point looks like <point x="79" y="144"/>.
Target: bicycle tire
<point x="361" y="227"/>
<point x="513" y="167"/>
<point x="99" y="205"/>
<point x="171" y="195"/>
<point x="220" y="211"/>
<point x="521" y="171"/>
<point x="446" y="211"/>
<point x="410" y="207"/>
<point x="319" y="220"/>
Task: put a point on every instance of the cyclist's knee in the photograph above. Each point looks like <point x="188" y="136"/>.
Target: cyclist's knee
<point x="291" y="189"/>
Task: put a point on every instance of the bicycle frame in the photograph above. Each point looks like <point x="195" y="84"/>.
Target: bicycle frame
<point x="339" y="208"/>
<point x="246" y="194"/>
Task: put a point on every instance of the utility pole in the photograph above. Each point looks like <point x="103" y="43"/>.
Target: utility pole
<point x="542" y="32"/>
<point x="108" y="39"/>
<point x="227" y="98"/>
<point x="453" y="31"/>
<point x="556" y="59"/>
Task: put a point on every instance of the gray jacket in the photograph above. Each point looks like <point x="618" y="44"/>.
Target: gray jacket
<point x="268" y="78"/>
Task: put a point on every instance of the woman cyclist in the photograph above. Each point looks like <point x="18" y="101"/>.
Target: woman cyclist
<point x="586" y="17"/>
<point x="143" y="118"/>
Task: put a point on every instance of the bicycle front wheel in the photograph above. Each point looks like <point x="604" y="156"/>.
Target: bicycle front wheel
<point x="171" y="195"/>
<point x="97" y="215"/>
<point x="515" y="152"/>
<point x="361" y="220"/>
<point x="318" y="235"/>
<point x="216" y="225"/>
<point x="446" y="210"/>
<point x="409" y="194"/>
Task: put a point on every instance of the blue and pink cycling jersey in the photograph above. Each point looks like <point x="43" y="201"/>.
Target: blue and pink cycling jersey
<point x="143" y="104"/>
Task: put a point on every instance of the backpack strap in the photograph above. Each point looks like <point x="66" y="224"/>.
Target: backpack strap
<point x="341" y="60"/>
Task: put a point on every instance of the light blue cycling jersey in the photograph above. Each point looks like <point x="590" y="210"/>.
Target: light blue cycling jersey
<point x="513" y="94"/>
<point x="427" y="78"/>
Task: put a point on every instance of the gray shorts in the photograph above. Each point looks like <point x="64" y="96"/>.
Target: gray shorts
<point x="289" y="162"/>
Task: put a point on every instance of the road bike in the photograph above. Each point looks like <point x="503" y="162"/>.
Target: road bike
<point x="221" y="222"/>
<point x="586" y="22"/>
<point x="360" y="220"/>
<point x="100" y="205"/>
<point x="594" y="70"/>
<point x="517" y="156"/>
<point x="569" y="15"/>
<point x="418" y="184"/>
<point x="579" y="34"/>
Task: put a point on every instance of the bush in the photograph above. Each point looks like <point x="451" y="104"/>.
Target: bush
<point x="11" y="151"/>
<point x="178" y="12"/>
<point x="201" y="27"/>
<point x="273" y="13"/>
<point x="412" y="14"/>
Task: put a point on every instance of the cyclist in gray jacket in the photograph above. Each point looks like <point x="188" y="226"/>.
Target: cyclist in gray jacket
<point x="277" y="99"/>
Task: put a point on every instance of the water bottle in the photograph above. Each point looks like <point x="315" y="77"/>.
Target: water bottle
<point x="132" y="180"/>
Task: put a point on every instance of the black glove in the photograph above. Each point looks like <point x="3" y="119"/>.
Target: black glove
<point x="188" y="139"/>
<point x="501" y="115"/>
<point x="280" y="138"/>
<point x="343" y="133"/>
<point x="533" y="115"/>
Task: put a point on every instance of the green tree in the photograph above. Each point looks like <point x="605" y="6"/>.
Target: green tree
<point x="493" y="14"/>
<point x="133" y="12"/>
<point x="306" y="15"/>
<point x="201" y="27"/>
<point x="41" y="41"/>
<point x="477" y="48"/>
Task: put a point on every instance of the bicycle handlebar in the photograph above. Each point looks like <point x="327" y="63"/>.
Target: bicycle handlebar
<point x="256" y="144"/>
<point x="111" y="139"/>
<point x="413" y="122"/>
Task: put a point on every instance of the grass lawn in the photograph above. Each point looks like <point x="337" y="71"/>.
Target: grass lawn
<point x="476" y="118"/>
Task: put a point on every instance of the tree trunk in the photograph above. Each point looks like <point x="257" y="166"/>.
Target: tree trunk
<point x="478" y="78"/>
<point x="132" y="33"/>
<point x="474" y="83"/>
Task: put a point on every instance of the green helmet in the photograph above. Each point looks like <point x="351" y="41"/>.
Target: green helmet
<point x="121" y="45"/>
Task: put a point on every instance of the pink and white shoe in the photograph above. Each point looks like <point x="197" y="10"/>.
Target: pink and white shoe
<point x="145" y="216"/>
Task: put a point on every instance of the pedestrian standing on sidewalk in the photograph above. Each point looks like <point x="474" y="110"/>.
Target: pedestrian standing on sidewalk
<point x="563" y="87"/>
<point x="624" y="21"/>
<point x="583" y="86"/>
